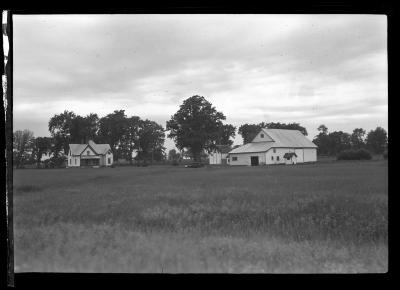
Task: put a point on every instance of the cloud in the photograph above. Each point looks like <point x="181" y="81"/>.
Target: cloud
<point x="301" y="68"/>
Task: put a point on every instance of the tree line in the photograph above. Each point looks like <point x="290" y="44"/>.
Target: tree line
<point x="124" y="134"/>
<point x="332" y="143"/>
<point x="196" y="129"/>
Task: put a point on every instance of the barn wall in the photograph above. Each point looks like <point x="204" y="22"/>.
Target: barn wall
<point x="259" y="139"/>
<point x="310" y="154"/>
<point x="278" y="152"/>
<point x="244" y="158"/>
<point x="300" y="155"/>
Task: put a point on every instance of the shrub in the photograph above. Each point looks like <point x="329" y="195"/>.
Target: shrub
<point x="175" y="162"/>
<point x="354" y="154"/>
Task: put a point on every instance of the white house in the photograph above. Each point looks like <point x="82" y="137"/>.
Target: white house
<point x="219" y="155"/>
<point x="275" y="146"/>
<point x="91" y="154"/>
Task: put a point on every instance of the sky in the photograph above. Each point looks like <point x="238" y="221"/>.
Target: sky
<point x="309" y="69"/>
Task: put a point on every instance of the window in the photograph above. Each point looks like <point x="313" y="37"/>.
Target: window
<point x="274" y="150"/>
<point x="234" y="158"/>
<point x="262" y="135"/>
<point x="272" y="158"/>
<point x="88" y="152"/>
<point x="109" y="160"/>
<point x="277" y="158"/>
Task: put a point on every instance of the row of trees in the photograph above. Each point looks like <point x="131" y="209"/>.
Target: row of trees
<point x="331" y="143"/>
<point x="197" y="127"/>
<point x="124" y="134"/>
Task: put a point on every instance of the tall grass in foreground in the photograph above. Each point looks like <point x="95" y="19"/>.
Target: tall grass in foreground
<point x="312" y="218"/>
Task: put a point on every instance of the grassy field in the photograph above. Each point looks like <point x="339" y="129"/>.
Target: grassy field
<point x="316" y="218"/>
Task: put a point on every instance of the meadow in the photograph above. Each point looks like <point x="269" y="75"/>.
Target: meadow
<point x="314" y="218"/>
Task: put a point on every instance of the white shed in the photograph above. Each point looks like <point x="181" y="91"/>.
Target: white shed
<point x="219" y="155"/>
<point x="275" y="146"/>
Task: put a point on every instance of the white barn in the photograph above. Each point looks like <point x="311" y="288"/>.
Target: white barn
<point x="219" y="155"/>
<point x="90" y="154"/>
<point x="275" y="146"/>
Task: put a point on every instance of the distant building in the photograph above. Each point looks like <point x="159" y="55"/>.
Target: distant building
<point x="275" y="146"/>
<point x="90" y="154"/>
<point x="219" y="155"/>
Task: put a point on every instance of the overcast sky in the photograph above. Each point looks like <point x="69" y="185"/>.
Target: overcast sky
<point x="310" y="69"/>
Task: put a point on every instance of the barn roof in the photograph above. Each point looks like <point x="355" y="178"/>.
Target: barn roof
<point x="76" y="149"/>
<point x="281" y="137"/>
<point x="289" y="138"/>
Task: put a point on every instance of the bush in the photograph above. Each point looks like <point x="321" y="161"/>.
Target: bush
<point x="357" y="154"/>
<point x="385" y="154"/>
<point x="175" y="162"/>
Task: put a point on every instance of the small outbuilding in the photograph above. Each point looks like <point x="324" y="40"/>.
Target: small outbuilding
<point x="275" y="146"/>
<point x="219" y="155"/>
<point x="89" y="155"/>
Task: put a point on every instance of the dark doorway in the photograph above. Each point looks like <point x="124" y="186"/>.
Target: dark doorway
<point x="254" y="160"/>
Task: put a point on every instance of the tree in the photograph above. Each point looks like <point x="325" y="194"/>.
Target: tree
<point x="22" y="146"/>
<point x="68" y="127"/>
<point x="290" y="126"/>
<point x="60" y="127"/>
<point x="322" y="140"/>
<point x="42" y="145"/>
<point x="338" y="141"/>
<point x="195" y="126"/>
<point x="357" y="138"/>
<point x="112" y="129"/>
<point x="173" y="155"/>
<point x="130" y="138"/>
<point x="376" y="140"/>
<point x="150" y="143"/>
<point x="226" y="132"/>
<point x="249" y="131"/>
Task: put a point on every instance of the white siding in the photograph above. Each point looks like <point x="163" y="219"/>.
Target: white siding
<point x="109" y="155"/>
<point x="310" y="155"/>
<point x="264" y="139"/>
<point x="74" y="161"/>
<point x="303" y="155"/>
<point x="216" y="157"/>
<point x="244" y="158"/>
<point x="279" y="152"/>
<point x="300" y="155"/>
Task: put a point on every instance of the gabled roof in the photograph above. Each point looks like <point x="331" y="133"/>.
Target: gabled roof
<point x="289" y="138"/>
<point x="253" y="147"/>
<point x="282" y="138"/>
<point x="77" y="149"/>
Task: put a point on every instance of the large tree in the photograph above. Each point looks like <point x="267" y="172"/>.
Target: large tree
<point x="357" y="138"/>
<point x="249" y="131"/>
<point x="338" y="141"/>
<point x="150" y="142"/>
<point x="226" y="132"/>
<point x="60" y="127"/>
<point x="23" y="142"/>
<point x="322" y="140"/>
<point x="289" y="126"/>
<point x="42" y="145"/>
<point x="376" y="140"/>
<point x="195" y="126"/>
<point x="130" y="138"/>
<point x="112" y="129"/>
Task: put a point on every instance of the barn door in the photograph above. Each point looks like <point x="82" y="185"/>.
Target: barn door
<point x="254" y="160"/>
